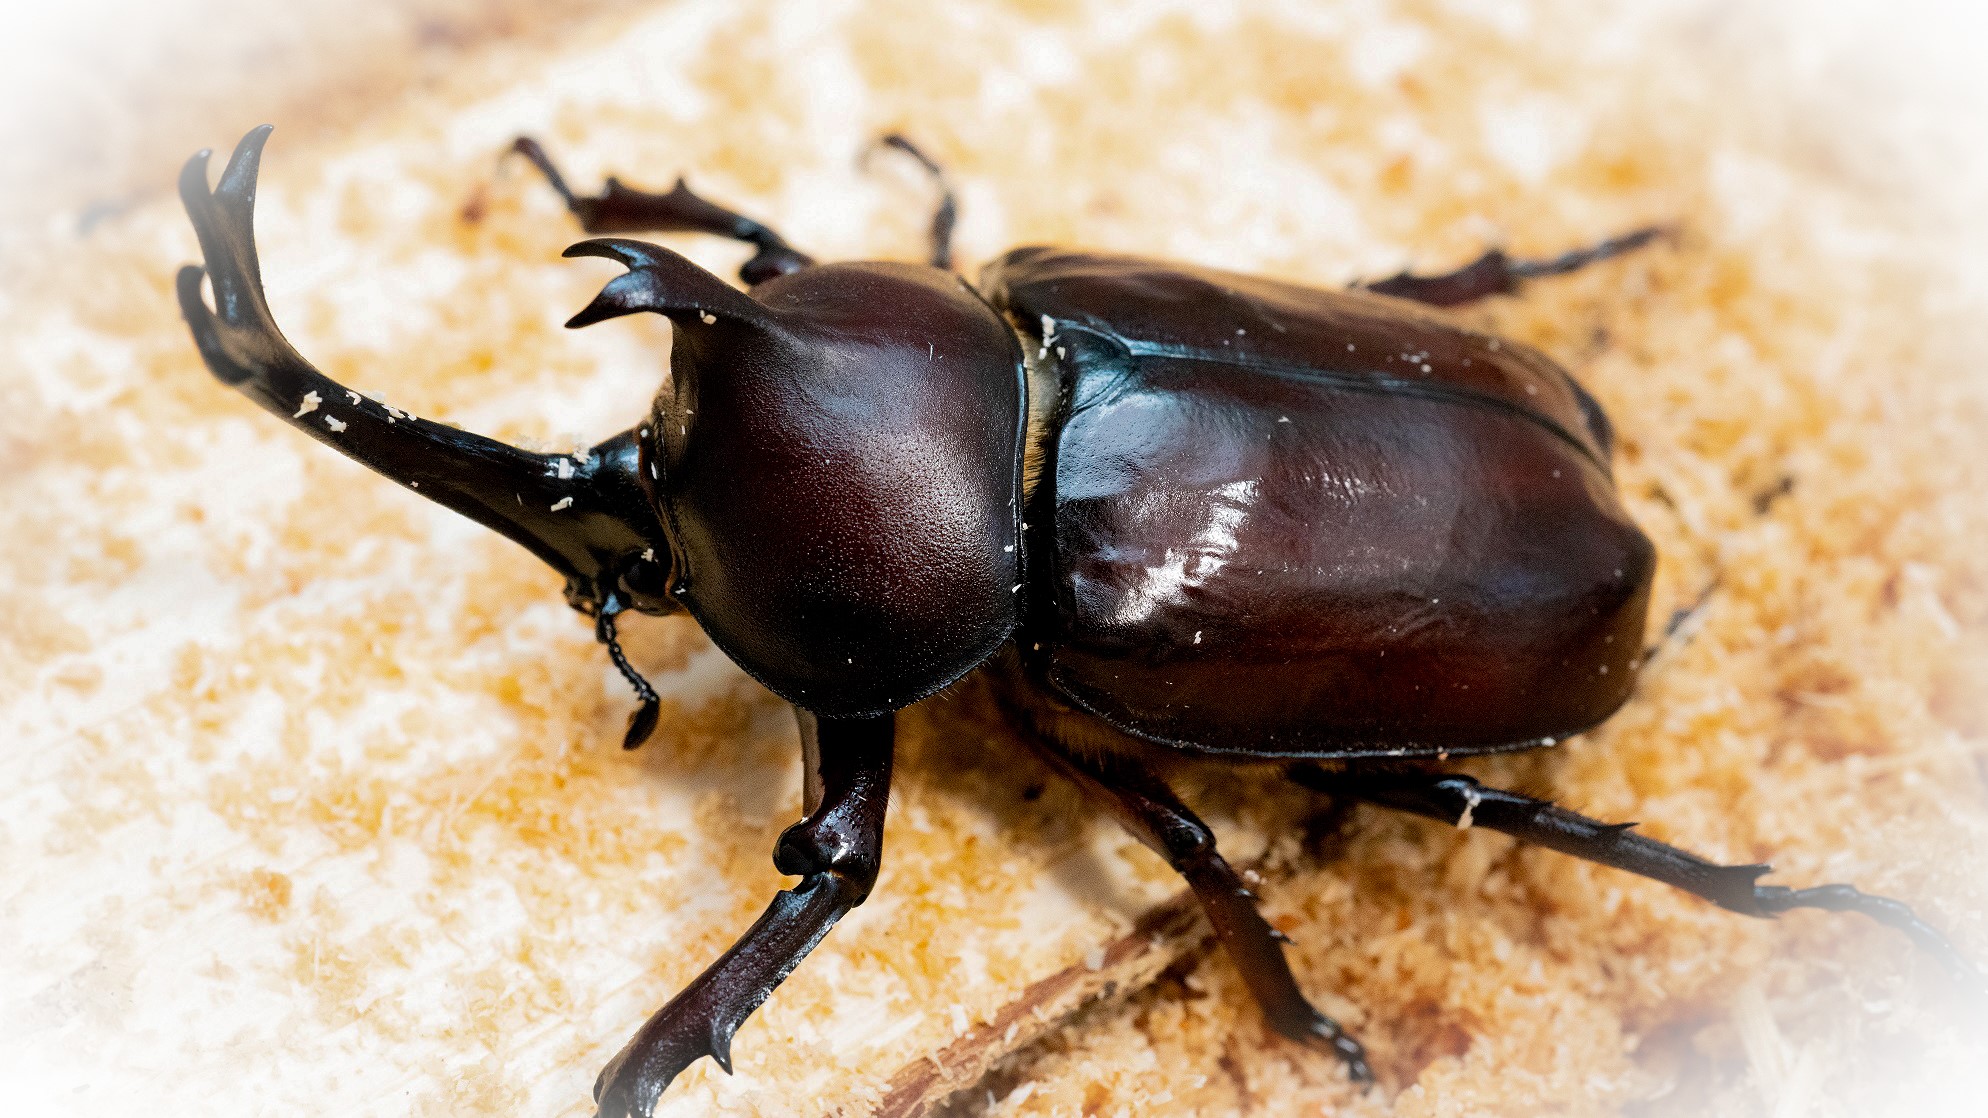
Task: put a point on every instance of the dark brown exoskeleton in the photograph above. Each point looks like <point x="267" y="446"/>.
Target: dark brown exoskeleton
<point x="1175" y="513"/>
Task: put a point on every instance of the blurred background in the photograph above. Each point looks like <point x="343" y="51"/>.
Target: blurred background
<point x="99" y="94"/>
<point x="1828" y="315"/>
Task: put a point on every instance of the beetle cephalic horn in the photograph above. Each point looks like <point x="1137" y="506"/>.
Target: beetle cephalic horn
<point x="585" y="514"/>
<point x="661" y="281"/>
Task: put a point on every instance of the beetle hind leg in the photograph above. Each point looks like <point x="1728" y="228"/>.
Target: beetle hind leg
<point x="620" y="208"/>
<point x="1461" y="800"/>
<point x="1495" y="273"/>
<point x="1146" y="807"/>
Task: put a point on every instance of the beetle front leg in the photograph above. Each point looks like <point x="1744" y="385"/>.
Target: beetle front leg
<point x="1463" y="801"/>
<point x="1494" y="273"/>
<point x="619" y="208"/>
<point x="836" y="850"/>
<point x="1146" y="807"/>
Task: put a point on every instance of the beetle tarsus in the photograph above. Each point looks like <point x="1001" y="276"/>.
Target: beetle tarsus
<point x="1150" y="810"/>
<point x="702" y="1019"/>
<point x="533" y="151"/>
<point x="1444" y="796"/>
<point x="620" y="208"/>
<point x="1772" y="900"/>
<point x="946" y="214"/>
<point x="836" y="850"/>
<point x="1495" y="273"/>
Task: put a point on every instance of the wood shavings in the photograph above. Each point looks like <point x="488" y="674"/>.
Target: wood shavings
<point x="1729" y="359"/>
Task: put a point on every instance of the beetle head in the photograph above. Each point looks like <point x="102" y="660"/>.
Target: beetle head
<point x="618" y="555"/>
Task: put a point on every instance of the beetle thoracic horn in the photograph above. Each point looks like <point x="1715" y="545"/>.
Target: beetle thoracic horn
<point x="661" y="281"/>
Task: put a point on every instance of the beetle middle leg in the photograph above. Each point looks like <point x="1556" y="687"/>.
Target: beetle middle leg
<point x="1495" y="273"/>
<point x="836" y="850"/>
<point x="1144" y="805"/>
<point x="620" y="208"/>
<point x="1453" y="798"/>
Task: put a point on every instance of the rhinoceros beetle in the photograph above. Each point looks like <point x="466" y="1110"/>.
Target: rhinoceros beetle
<point x="1171" y="512"/>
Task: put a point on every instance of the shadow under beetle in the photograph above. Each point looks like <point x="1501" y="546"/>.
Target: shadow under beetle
<point x="1173" y="512"/>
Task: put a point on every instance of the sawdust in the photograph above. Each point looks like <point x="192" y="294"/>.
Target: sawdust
<point x="300" y="756"/>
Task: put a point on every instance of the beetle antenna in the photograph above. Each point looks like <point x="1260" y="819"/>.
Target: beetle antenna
<point x="642" y="723"/>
